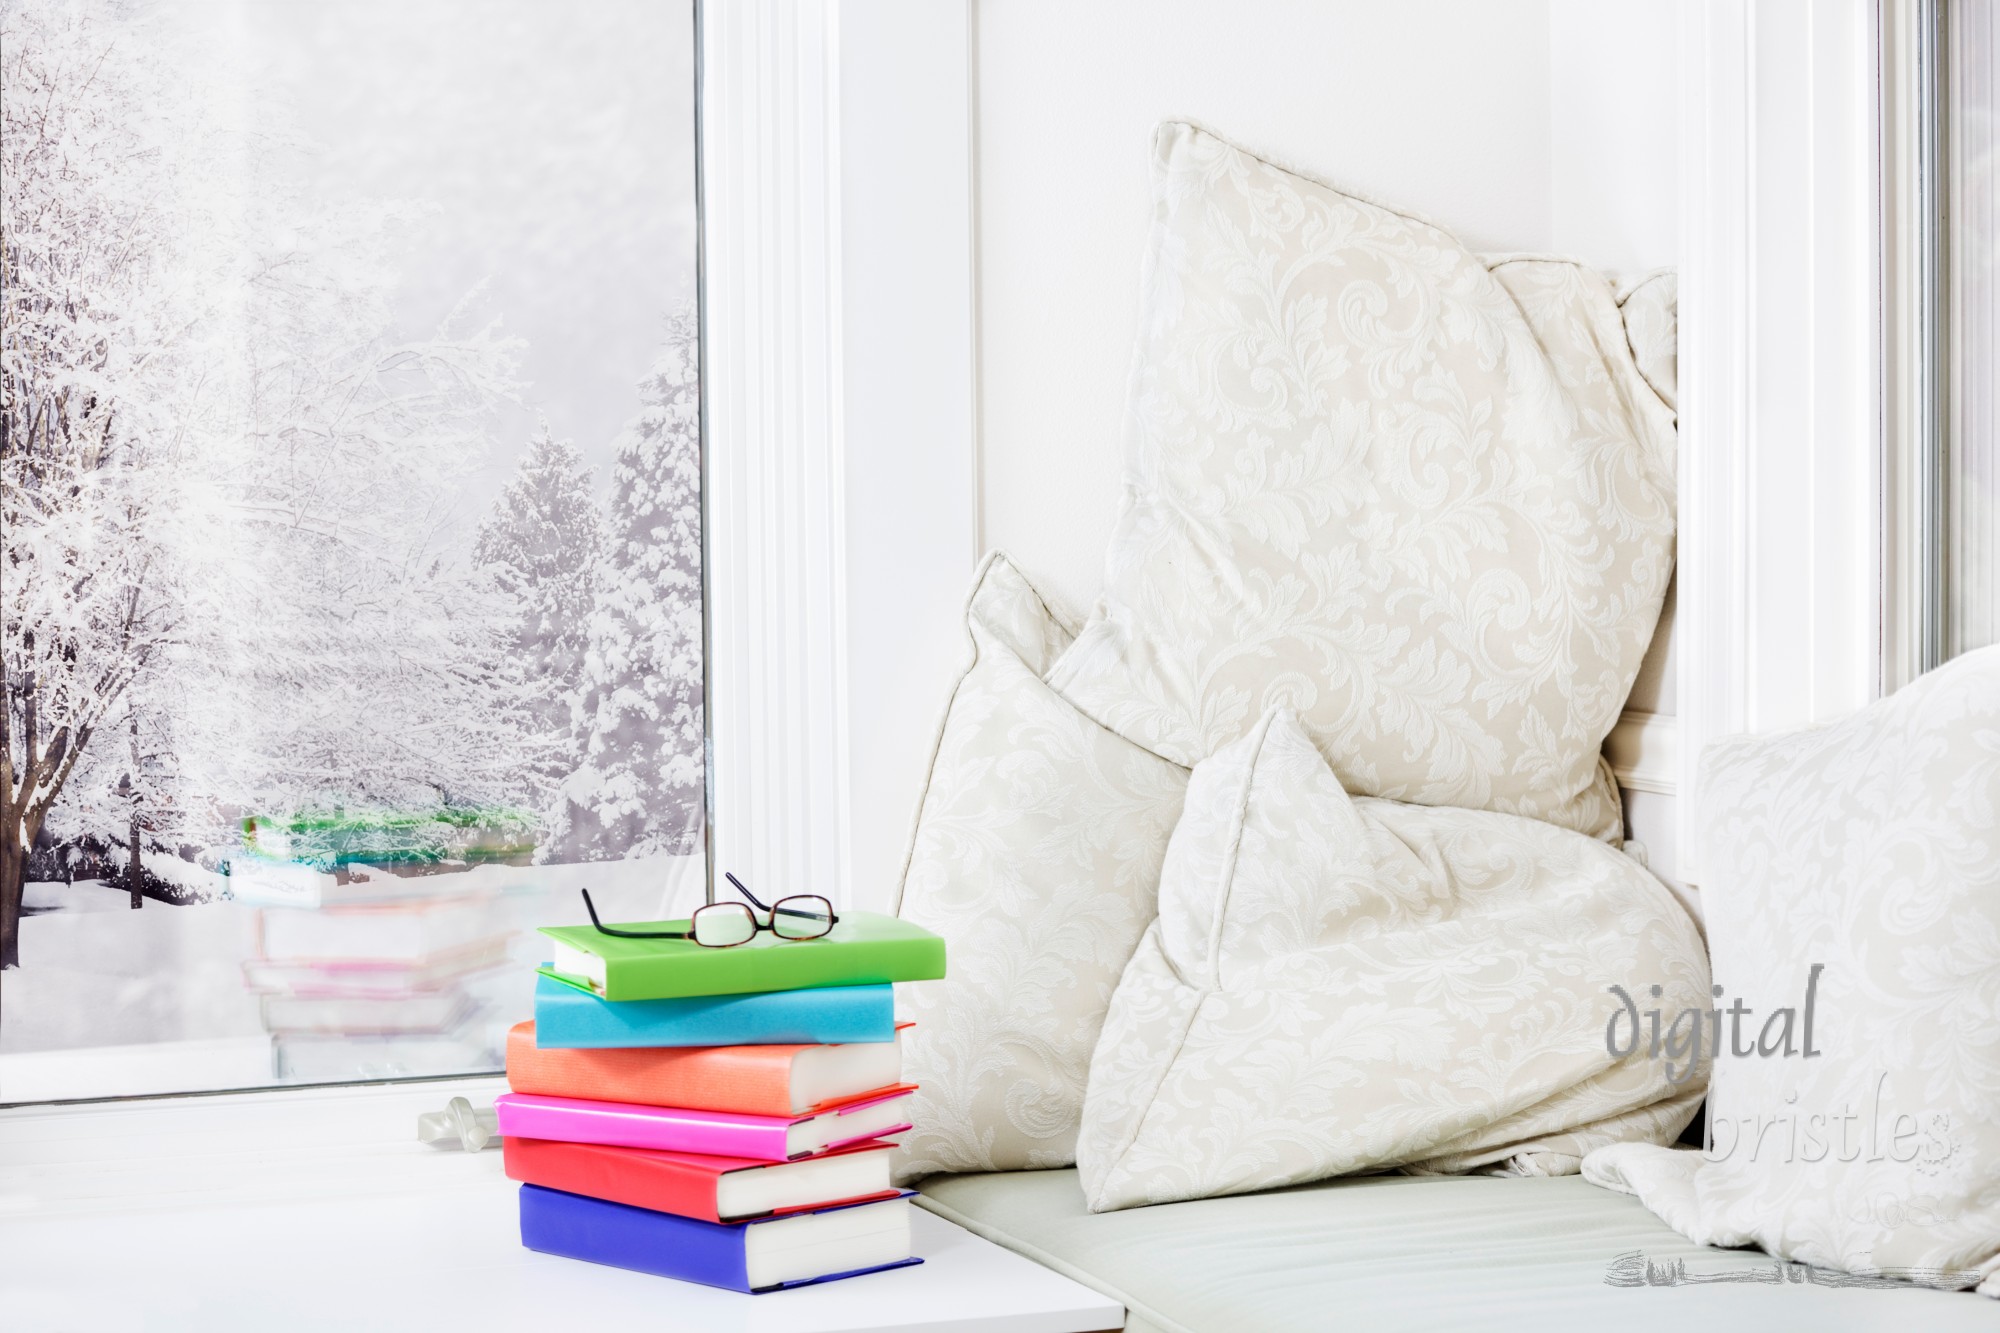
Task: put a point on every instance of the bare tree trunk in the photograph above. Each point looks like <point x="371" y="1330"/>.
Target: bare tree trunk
<point x="134" y="877"/>
<point x="13" y="871"/>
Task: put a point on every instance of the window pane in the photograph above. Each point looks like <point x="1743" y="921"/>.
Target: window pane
<point x="1972" y="522"/>
<point x="350" y="557"/>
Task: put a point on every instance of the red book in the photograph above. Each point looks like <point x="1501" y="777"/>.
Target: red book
<point x="709" y="1189"/>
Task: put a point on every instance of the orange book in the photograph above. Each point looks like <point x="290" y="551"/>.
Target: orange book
<point x="750" y="1080"/>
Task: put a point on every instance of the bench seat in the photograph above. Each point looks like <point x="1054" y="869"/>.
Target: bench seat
<point x="1412" y="1252"/>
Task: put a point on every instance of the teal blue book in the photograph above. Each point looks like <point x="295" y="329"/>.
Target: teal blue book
<point x="570" y="1018"/>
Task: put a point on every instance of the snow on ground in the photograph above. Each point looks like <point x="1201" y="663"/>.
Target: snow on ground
<point x="86" y="895"/>
<point x="188" y="876"/>
<point x="95" y="973"/>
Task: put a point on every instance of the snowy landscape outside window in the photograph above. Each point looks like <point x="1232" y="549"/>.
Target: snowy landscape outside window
<point x="350" y="551"/>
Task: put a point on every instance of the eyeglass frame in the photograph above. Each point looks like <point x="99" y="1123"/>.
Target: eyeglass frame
<point x="831" y="918"/>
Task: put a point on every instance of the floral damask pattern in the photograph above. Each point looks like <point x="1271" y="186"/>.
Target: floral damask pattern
<point x="1037" y="857"/>
<point x="1870" y="847"/>
<point x="1427" y="503"/>
<point x="1651" y="310"/>
<point x="1337" y="985"/>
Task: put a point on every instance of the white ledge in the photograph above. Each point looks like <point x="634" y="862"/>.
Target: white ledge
<point x="1644" y="750"/>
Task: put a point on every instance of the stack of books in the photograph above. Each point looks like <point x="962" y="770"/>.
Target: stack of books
<point x="721" y="1116"/>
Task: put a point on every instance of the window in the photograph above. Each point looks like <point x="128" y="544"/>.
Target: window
<point x="1970" y="493"/>
<point x="350" y="551"/>
<point x="1941" y="84"/>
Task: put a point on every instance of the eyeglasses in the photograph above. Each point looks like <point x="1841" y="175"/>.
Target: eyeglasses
<point x="803" y="916"/>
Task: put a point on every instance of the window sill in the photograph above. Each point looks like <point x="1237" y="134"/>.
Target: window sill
<point x="318" y="1209"/>
<point x="232" y="1148"/>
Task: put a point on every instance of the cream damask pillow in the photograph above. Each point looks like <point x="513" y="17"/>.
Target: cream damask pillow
<point x="1865" y="1133"/>
<point x="1427" y="504"/>
<point x="1336" y="986"/>
<point x="1650" y="308"/>
<point x="1037" y="858"/>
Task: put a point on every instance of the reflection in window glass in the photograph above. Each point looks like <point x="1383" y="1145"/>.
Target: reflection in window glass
<point x="1972" y="486"/>
<point x="350" y="551"/>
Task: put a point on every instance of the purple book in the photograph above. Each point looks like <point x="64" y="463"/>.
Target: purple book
<point x="767" y="1254"/>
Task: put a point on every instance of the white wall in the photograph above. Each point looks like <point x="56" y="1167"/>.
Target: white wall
<point x="906" y="407"/>
<point x="1614" y="142"/>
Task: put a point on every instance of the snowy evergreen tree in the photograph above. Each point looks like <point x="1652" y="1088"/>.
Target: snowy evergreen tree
<point x="542" y="544"/>
<point x="638" y="791"/>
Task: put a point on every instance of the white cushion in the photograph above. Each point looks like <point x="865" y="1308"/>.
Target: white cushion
<point x="1870" y="847"/>
<point x="1427" y="504"/>
<point x="1337" y="986"/>
<point x="1037" y="857"/>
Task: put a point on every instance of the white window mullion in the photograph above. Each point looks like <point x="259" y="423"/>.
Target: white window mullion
<point x="1780" y="361"/>
<point x="769" y="108"/>
<point x="838" y="242"/>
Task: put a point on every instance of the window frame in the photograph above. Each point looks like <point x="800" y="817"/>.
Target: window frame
<point x="402" y="1084"/>
<point x="1915" y="286"/>
<point x="835" y="261"/>
<point x="1780" y="607"/>
<point x="841" y="344"/>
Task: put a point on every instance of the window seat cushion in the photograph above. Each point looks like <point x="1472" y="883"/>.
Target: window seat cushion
<point x="1409" y="1252"/>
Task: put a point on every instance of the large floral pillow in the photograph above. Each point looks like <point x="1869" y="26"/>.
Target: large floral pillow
<point x="1426" y="503"/>
<point x="1851" y="884"/>
<point x="1336" y="986"/>
<point x="1037" y="857"/>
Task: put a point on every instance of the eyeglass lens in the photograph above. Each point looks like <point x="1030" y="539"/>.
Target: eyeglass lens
<point x="802" y="917"/>
<point x="720" y="925"/>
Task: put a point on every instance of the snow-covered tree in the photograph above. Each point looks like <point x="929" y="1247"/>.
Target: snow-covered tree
<point x="639" y="788"/>
<point x="89" y="346"/>
<point x="228" y="481"/>
<point x="542" y="543"/>
<point x="359" y="656"/>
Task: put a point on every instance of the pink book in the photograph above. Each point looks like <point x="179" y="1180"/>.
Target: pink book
<point x="767" y="1138"/>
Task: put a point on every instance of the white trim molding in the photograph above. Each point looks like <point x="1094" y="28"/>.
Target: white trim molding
<point x="1644" y="752"/>
<point x="1781" y="402"/>
<point x="775" y="540"/>
<point x="837" y="235"/>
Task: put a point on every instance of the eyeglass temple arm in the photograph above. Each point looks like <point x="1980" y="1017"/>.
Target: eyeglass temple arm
<point x="831" y="917"/>
<point x="591" y="908"/>
<point x="741" y="888"/>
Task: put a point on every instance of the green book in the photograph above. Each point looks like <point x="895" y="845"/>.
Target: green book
<point x="865" y="949"/>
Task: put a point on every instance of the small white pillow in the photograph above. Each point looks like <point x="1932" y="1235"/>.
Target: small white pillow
<point x="1337" y="986"/>
<point x="1037" y="857"/>
<point x="1869" y="849"/>
<point x="1427" y="504"/>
